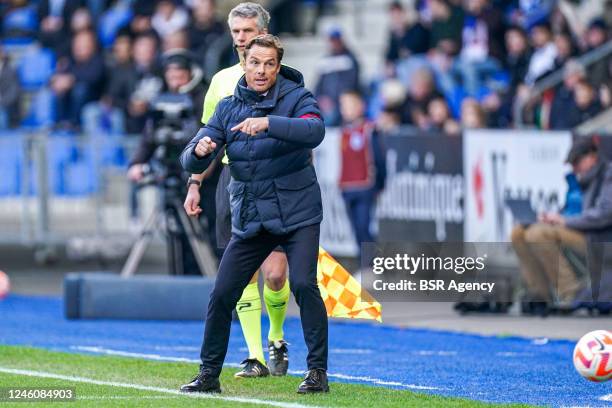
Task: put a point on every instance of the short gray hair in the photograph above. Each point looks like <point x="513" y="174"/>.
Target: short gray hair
<point x="250" y="10"/>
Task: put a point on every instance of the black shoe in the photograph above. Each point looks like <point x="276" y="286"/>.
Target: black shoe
<point x="279" y="357"/>
<point x="252" y="368"/>
<point x="314" y="381"/>
<point x="203" y="382"/>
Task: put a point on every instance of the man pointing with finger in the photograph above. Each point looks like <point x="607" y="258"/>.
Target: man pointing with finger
<point x="269" y="127"/>
<point x="246" y="21"/>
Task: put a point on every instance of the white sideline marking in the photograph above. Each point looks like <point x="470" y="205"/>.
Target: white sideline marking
<point x="177" y="348"/>
<point x="256" y="401"/>
<point x="606" y="398"/>
<point x="513" y="354"/>
<point x="350" y="351"/>
<point x="157" y="357"/>
<point x="434" y="353"/>
<point x="382" y="382"/>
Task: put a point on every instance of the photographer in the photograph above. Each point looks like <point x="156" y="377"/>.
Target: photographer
<point x="172" y="119"/>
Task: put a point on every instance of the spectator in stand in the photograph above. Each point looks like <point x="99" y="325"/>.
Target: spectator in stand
<point x="144" y="81"/>
<point x="407" y="36"/>
<point x="472" y="114"/>
<point x="579" y="14"/>
<point x="562" y="110"/>
<point x="516" y="63"/>
<point x="389" y="121"/>
<point x="338" y="73"/>
<point x="596" y="36"/>
<point x="78" y="80"/>
<point x="205" y="28"/>
<point x="544" y="53"/>
<point x="440" y="119"/>
<point x="9" y="93"/>
<point x="81" y="21"/>
<point x="55" y="17"/>
<point x="169" y="18"/>
<point x="362" y="171"/>
<point x="586" y="101"/>
<point x="565" y="49"/>
<point x="446" y="26"/>
<point x="178" y="40"/>
<point x="108" y="115"/>
<point x="143" y="13"/>
<point x="483" y="47"/>
<point x="421" y="91"/>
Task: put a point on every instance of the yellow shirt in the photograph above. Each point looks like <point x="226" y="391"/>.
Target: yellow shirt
<point x="222" y="85"/>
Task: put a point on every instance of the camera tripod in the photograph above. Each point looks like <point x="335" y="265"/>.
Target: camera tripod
<point x="169" y="219"/>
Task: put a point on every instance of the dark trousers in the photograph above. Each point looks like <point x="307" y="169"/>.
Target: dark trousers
<point x="359" y="205"/>
<point x="241" y="259"/>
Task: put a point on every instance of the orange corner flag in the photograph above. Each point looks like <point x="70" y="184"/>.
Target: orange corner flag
<point x="342" y="294"/>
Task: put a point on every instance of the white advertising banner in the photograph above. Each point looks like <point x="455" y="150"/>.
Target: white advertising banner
<point x="506" y="164"/>
<point x="336" y="232"/>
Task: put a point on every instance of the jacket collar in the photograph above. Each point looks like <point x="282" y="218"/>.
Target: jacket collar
<point x="252" y="97"/>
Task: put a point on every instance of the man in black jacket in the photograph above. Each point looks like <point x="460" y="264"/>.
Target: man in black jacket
<point x="269" y="128"/>
<point x="538" y="246"/>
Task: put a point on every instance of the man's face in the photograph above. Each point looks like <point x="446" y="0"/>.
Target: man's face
<point x="176" y="77"/>
<point x="83" y="46"/>
<point x="244" y="30"/>
<point x="584" y="164"/>
<point x="144" y="51"/>
<point x="515" y="42"/>
<point x="351" y="107"/>
<point x="261" y="68"/>
<point x="540" y="36"/>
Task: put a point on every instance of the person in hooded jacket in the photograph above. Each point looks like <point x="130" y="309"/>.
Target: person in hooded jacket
<point x="268" y="128"/>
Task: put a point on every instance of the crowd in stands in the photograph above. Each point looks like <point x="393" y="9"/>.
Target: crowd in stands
<point x="93" y="65"/>
<point x="449" y="64"/>
<point x="453" y="64"/>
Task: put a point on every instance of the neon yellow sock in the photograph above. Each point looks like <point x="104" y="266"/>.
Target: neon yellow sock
<point x="276" y="304"/>
<point x="249" y="313"/>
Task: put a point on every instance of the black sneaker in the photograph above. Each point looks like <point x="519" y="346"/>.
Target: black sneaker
<point x="252" y="368"/>
<point x="279" y="357"/>
<point x="314" y="381"/>
<point x="203" y="382"/>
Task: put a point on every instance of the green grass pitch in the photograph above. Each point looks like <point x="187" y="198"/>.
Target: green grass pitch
<point x="102" y="381"/>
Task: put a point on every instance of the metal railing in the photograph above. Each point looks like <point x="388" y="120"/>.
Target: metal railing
<point x="554" y="79"/>
<point x="54" y="186"/>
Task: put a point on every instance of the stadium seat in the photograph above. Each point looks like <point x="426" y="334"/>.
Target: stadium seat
<point x="111" y="22"/>
<point x="41" y="112"/>
<point x="11" y="156"/>
<point x="20" y="24"/>
<point x="35" y="68"/>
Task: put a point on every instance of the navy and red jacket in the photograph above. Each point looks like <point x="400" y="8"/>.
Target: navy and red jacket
<point x="274" y="185"/>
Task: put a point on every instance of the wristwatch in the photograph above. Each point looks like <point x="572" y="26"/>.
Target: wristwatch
<point x="193" y="181"/>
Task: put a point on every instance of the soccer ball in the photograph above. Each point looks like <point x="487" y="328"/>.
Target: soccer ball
<point x="5" y="285"/>
<point x="593" y="356"/>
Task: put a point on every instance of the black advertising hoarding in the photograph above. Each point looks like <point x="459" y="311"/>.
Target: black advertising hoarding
<point x="424" y="194"/>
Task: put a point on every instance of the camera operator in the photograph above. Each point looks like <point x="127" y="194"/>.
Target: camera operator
<point x="172" y="120"/>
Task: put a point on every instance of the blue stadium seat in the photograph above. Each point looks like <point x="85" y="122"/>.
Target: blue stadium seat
<point x="21" y="23"/>
<point x="11" y="157"/>
<point x="79" y="178"/>
<point x="111" y="22"/>
<point x="35" y="68"/>
<point x="107" y="150"/>
<point x="42" y="110"/>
